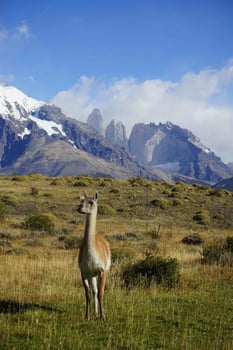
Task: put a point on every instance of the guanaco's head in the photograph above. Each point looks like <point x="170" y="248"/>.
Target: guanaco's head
<point x="88" y="204"/>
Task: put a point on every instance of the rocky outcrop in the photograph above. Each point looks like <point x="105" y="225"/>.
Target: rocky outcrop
<point x="173" y="149"/>
<point x="95" y="120"/>
<point x="116" y="133"/>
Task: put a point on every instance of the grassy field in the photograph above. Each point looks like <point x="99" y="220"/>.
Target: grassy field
<point x="41" y="296"/>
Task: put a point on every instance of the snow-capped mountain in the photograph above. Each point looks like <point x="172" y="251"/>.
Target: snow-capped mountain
<point x="39" y="138"/>
<point x="14" y="103"/>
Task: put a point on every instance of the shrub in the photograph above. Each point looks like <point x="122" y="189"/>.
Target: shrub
<point x="9" y="199"/>
<point x="34" y="191"/>
<point x="152" y="269"/>
<point x="3" y="210"/>
<point x="229" y="244"/>
<point x="218" y="192"/>
<point x="72" y="242"/>
<point x="160" y="203"/>
<point x="41" y="222"/>
<point x="81" y="183"/>
<point x="192" y="239"/>
<point x="57" y="181"/>
<point x="20" y="178"/>
<point x="114" y="190"/>
<point x="202" y="217"/>
<point x="176" y="202"/>
<point x="220" y="253"/>
<point x="105" y="209"/>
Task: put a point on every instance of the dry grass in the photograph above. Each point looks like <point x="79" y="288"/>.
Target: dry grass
<point x="41" y="286"/>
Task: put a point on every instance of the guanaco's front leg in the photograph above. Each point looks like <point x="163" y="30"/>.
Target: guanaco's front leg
<point x="88" y="297"/>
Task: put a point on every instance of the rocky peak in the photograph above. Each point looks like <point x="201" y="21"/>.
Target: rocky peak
<point x="174" y="149"/>
<point x="95" y="120"/>
<point x="116" y="133"/>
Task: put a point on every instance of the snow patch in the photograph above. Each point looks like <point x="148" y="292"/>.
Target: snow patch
<point x="72" y="143"/>
<point x="14" y="101"/>
<point x="48" y="126"/>
<point x="24" y="133"/>
<point x="196" y="142"/>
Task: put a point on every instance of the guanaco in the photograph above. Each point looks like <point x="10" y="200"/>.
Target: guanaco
<point x="94" y="257"/>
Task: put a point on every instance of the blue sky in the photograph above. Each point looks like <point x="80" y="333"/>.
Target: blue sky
<point x="136" y="60"/>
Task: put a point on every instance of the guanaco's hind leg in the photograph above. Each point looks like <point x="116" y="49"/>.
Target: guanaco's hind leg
<point x="101" y="285"/>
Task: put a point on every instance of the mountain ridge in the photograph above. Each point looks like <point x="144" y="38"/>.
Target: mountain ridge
<point x="24" y="134"/>
<point x="36" y="137"/>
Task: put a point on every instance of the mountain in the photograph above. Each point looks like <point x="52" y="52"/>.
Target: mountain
<point x="39" y="138"/>
<point x="226" y="184"/>
<point x="230" y="165"/>
<point x="116" y="133"/>
<point x="95" y="120"/>
<point x="177" y="151"/>
<point x="35" y="137"/>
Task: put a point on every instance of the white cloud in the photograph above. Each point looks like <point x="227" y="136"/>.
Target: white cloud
<point x="199" y="102"/>
<point x="23" y="30"/>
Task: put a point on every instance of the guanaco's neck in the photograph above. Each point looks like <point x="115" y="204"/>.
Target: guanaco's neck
<point x="90" y="228"/>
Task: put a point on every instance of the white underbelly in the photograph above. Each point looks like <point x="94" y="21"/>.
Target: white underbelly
<point x="91" y="263"/>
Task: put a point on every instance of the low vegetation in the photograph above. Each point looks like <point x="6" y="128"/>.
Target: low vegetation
<point x="170" y="285"/>
<point x="220" y="253"/>
<point x="152" y="270"/>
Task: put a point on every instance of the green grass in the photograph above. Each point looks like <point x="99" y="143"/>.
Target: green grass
<point x="41" y="295"/>
<point x="137" y="319"/>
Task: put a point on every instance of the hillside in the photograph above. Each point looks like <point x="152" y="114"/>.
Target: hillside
<point x="136" y="203"/>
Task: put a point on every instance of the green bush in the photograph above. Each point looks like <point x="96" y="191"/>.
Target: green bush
<point x="105" y="209"/>
<point x="20" y="178"/>
<point x="218" y="192"/>
<point x="202" y="217"/>
<point x="114" y="190"/>
<point x="3" y="210"/>
<point x="220" y="253"/>
<point x="177" y="202"/>
<point x="160" y="203"/>
<point x="229" y="244"/>
<point x="9" y="199"/>
<point x="34" y="191"/>
<point x="81" y="183"/>
<point x="41" y="222"/>
<point x="152" y="269"/>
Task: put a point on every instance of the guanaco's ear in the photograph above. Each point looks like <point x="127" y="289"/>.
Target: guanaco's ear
<point x="96" y="196"/>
